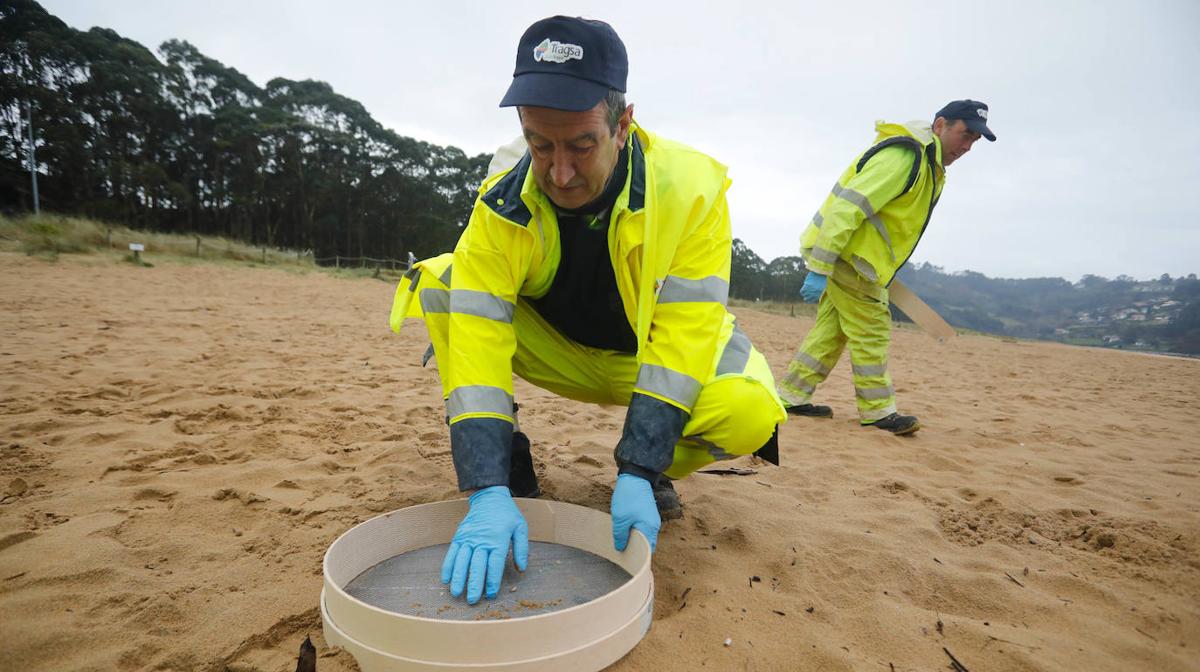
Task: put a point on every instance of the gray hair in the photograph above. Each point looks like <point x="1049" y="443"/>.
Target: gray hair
<point x="614" y="104"/>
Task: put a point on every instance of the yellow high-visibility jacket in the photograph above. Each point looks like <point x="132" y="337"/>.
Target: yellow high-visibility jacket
<point x="669" y="242"/>
<point x="879" y="207"/>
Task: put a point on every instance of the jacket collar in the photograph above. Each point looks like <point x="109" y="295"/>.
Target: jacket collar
<point x="505" y="196"/>
<point x="637" y="173"/>
<point x="921" y="131"/>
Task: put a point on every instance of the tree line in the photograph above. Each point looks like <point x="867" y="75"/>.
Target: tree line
<point x="180" y="142"/>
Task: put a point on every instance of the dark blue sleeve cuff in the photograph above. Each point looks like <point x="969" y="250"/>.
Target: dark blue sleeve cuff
<point x="652" y="428"/>
<point x="482" y="451"/>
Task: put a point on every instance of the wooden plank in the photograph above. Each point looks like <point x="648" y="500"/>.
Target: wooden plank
<point x="919" y="312"/>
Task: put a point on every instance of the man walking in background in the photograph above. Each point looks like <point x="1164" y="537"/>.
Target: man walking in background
<point x="864" y="232"/>
<point x="597" y="267"/>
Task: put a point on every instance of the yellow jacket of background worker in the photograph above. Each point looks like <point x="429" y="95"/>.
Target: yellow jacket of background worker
<point x="668" y="239"/>
<point x="872" y="220"/>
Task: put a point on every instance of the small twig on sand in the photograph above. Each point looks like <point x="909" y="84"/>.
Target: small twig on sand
<point x="1010" y="578"/>
<point x="1009" y="641"/>
<point x="1145" y="633"/>
<point x="958" y="667"/>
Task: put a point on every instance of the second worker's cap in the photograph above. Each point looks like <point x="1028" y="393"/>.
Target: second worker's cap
<point x="973" y="112"/>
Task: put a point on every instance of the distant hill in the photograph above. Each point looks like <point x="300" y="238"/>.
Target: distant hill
<point x="1159" y="315"/>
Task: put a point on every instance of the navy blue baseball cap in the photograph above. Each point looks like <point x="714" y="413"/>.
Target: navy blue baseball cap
<point x="973" y="112"/>
<point x="567" y="63"/>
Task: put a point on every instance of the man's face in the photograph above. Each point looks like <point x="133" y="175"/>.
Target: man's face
<point x="573" y="152"/>
<point x="956" y="138"/>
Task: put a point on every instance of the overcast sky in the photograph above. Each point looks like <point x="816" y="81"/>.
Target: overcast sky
<point x="1095" y="103"/>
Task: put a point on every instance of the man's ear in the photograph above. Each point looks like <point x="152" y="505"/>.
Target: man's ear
<point x="938" y="125"/>
<point x="623" y="126"/>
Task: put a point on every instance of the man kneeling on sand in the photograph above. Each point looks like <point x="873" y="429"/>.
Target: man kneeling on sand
<point x="597" y="268"/>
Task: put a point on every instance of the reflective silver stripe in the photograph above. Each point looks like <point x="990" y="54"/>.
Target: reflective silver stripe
<point x="869" y="370"/>
<point x="812" y="363"/>
<point x="877" y="414"/>
<point x="818" y="220"/>
<point x="444" y="278"/>
<point x="682" y="290"/>
<point x="479" y="399"/>
<point x="864" y="268"/>
<point x="480" y="304"/>
<point x="737" y="353"/>
<point x="713" y="449"/>
<point x="670" y="384"/>
<point x="435" y="300"/>
<point x="871" y="393"/>
<point x="428" y="355"/>
<point x="795" y="384"/>
<point x="823" y="255"/>
<point x="865" y="205"/>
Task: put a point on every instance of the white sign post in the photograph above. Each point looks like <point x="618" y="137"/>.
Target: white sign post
<point x="137" y="249"/>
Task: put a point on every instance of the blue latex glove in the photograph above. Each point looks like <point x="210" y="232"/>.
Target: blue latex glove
<point x="480" y="544"/>
<point x="813" y="287"/>
<point x="633" y="507"/>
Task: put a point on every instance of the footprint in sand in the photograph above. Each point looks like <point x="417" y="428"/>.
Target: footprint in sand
<point x="14" y="539"/>
<point x="588" y="460"/>
<point x="154" y="494"/>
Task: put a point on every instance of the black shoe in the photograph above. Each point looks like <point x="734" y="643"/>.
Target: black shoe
<point x="898" y="424"/>
<point x="522" y="482"/>
<point x="667" y="500"/>
<point x="811" y="411"/>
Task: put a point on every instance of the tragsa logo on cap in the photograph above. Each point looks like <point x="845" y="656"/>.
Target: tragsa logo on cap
<point x="557" y="52"/>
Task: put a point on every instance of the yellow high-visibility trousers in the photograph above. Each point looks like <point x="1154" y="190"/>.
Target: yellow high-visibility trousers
<point x="736" y="413"/>
<point x="846" y="317"/>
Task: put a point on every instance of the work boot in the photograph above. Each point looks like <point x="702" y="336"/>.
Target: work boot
<point x="522" y="482"/>
<point x="897" y="424"/>
<point x="667" y="500"/>
<point x="811" y="411"/>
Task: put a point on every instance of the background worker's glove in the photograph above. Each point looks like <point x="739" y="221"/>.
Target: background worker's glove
<point x="480" y="545"/>
<point x="633" y="507"/>
<point x="813" y="287"/>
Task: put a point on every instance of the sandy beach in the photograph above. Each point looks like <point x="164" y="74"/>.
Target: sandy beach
<point x="180" y="444"/>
